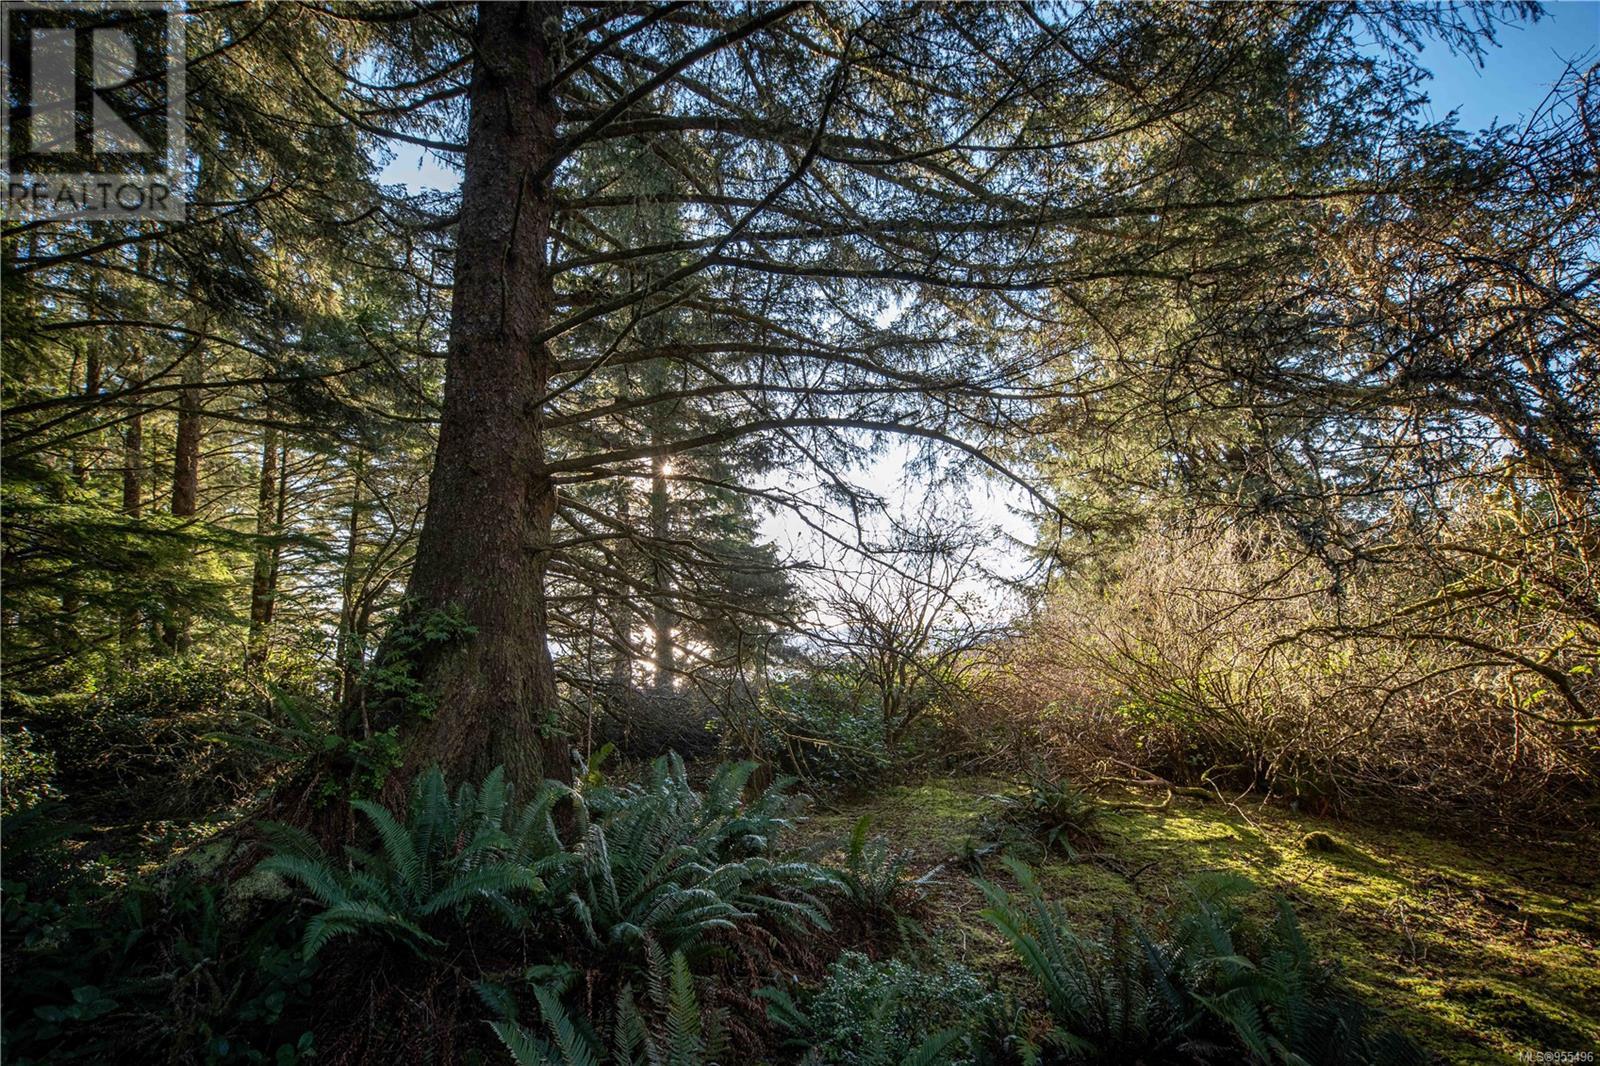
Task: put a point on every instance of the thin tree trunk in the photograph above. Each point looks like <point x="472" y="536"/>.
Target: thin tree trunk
<point x="621" y="620"/>
<point x="186" y="452"/>
<point x="133" y="465"/>
<point x="657" y="225"/>
<point x="491" y="501"/>
<point x="345" y="653"/>
<point x="660" y="529"/>
<point x="279" y="523"/>
<point x="91" y="389"/>
<point x="185" y="480"/>
<point x="262" y="576"/>
<point x="133" y="507"/>
<point x="71" y="636"/>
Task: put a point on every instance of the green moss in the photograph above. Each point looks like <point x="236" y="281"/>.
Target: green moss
<point x="206" y="860"/>
<point x="256" y="887"/>
<point x="1497" y="1008"/>
<point x="1478" y="949"/>
<point x="1320" y="841"/>
<point x="929" y="820"/>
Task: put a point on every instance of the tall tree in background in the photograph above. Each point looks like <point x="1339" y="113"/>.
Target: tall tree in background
<point x="874" y="201"/>
<point x="1406" y="400"/>
<point x="687" y="587"/>
<point x="707" y="258"/>
<point x="164" y="542"/>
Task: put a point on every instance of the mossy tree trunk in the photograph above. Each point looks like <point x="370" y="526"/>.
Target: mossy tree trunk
<point x="484" y="542"/>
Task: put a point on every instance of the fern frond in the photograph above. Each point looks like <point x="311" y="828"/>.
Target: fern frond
<point x="290" y="840"/>
<point x="574" y="1047"/>
<point x="931" y="1050"/>
<point x="631" y="1040"/>
<point x="315" y="875"/>
<point x="493" y="795"/>
<point x="431" y="828"/>
<point x="398" y="847"/>
<point x="858" y="840"/>
<point x="782" y="1010"/>
<point x="684" y="1028"/>
<point x="525" y="1050"/>
<point x="487" y="881"/>
<point x="355" y="917"/>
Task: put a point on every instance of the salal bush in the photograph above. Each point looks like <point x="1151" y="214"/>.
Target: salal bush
<point x="886" y="1012"/>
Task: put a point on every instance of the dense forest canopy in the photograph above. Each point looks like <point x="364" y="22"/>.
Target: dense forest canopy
<point x="329" y="490"/>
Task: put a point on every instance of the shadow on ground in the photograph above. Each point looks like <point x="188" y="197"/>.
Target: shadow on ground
<point x="1479" y="950"/>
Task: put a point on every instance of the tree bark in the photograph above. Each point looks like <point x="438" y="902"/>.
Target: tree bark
<point x="347" y="653"/>
<point x="186" y="478"/>
<point x="91" y="389"/>
<point x="621" y="619"/>
<point x="186" y="451"/>
<point x="485" y="539"/>
<point x="263" y="576"/>
<point x="70" y="602"/>
<point x="133" y="466"/>
<point x="280" y="523"/>
<point x="133" y="472"/>
<point x="662" y="617"/>
<point x="133" y="507"/>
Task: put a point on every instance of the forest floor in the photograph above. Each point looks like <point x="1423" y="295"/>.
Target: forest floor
<point x="1479" y="950"/>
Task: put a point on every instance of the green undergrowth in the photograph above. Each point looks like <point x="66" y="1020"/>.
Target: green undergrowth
<point x="1478" y="949"/>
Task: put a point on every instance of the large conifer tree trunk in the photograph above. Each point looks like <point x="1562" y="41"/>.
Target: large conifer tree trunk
<point x="491" y="500"/>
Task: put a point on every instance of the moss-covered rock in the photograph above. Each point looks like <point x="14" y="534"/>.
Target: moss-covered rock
<point x="1319" y="841"/>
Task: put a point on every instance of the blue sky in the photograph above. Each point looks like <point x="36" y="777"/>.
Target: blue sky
<point x="1514" y="79"/>
<point x="1519" y="72"/>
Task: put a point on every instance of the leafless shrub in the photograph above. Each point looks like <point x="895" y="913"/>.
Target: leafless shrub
<point x="1227" y="661"/>
<point x="908" y="627"/>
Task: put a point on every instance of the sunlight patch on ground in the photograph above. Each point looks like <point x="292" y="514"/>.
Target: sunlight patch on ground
<point x="1479" y="952"/>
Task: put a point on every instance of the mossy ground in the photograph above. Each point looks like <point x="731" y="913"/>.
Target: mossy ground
<point x="1480" y="950"/>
